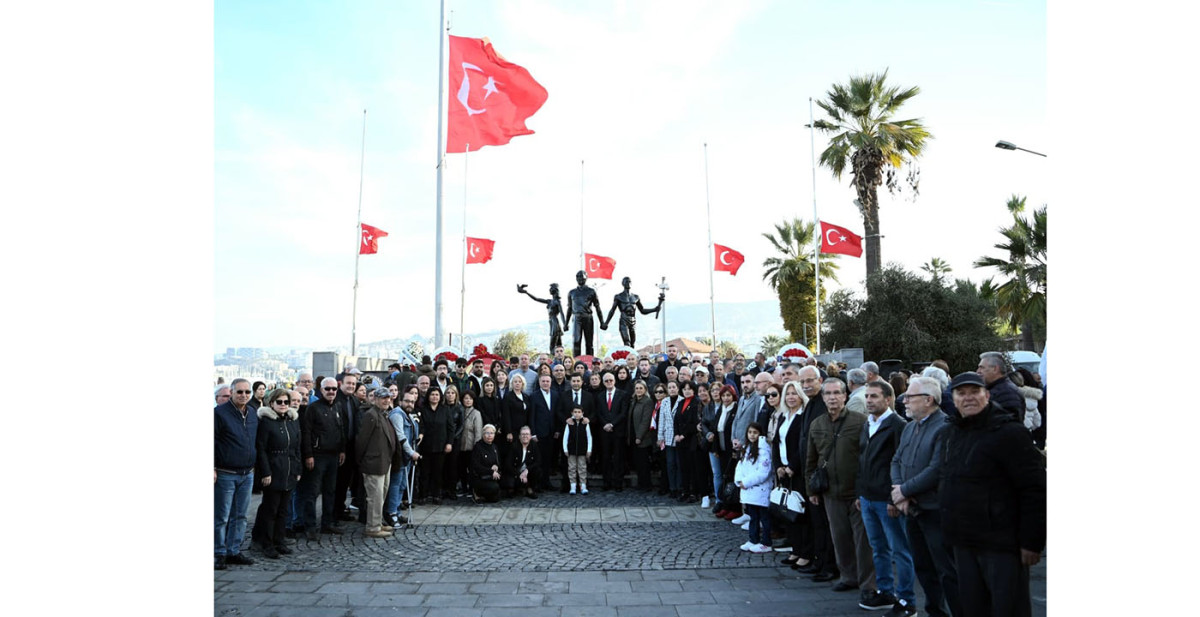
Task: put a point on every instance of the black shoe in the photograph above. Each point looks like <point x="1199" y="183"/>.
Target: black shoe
<point x="219" y="564"/>
<point x="902" y="609"/>
<point x="239" y="560"/>
<point x="877" y="601"/>
<point x="400" y="520"/>
<point x="346" y="515"/>
<point x="811" y="568"/>
<point x="791" y="560"/>
<point x="335" y="524"/>
<point x="362" y="518"/>
<point x="332" y="530"/>
<point x="282" y="549"/>
<point x="312" y="534"/>
<point x="843" y="586"/>
<point x="269" y="552"/>
<point x="825" y="577"/>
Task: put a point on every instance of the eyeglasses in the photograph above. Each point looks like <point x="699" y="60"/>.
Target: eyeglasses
<point x="280" y="402"/>
<point x="333" y="389"/>
<point x="772" y="394"/>
<point x="241" y="392"/>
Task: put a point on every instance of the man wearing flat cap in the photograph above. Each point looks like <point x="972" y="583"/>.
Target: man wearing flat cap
<point x="992" y="494"/>
<point x="376" y="445"/>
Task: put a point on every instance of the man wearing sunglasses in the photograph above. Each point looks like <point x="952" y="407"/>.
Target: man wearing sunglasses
<point x="323" y="448"/>
<point x="233" y="475"/>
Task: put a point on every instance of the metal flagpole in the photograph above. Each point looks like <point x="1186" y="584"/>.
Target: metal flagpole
<point x="708" y="208"/>
<point x="582" y="266"/>
<point x="812" y="131"/>
<point x="441" y="162"/>
<point x="358" y="251"/>
<point x="462" y="297"/>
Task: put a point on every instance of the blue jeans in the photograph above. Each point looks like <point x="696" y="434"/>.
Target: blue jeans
<point x="760" y="520"/>
<point x="674" y="473"/>
<point x="396" y="486"/>
<point x="231" y="501"/>
<point x="714" y="461"/>
<point x="889" y="543"/>
<point x="293" y="514"/>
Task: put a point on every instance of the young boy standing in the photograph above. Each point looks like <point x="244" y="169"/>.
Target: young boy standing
<point x="577" y="447"/>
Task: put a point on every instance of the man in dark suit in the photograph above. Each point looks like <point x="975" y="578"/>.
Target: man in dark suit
<point x="612" y="417"/>
<point x="521" y="466"/>
<point x="543" y="404"/>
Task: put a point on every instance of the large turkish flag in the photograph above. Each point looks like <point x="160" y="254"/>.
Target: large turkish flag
<point x="479" y="250"/>
<point x="490" y="98"/>
<point x="836" y="239"/>
<point x="598" y="266"/>
<point x="727" y="259"/>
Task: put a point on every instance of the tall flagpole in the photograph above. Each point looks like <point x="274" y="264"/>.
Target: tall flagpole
<point x="582" y="266"/>
<point x="462" y="297"/>
<point x="712" y="307"/>
<point x="358" y="244"/>
<point x="441" y="163"/>
<point x="812" y="132"/>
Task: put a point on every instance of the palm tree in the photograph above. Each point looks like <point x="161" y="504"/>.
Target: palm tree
<point x="791" y="274"/>
<point x="872" y="144"/>
<point x="1021" y="298"/>
<point x="937" y="269"/>
<point x="771" y="343"/>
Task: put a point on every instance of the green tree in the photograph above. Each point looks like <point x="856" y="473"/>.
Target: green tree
<point x="937" y="269"/>
<point x="512" y="343"/>
<point x="790" y="274"/>
<point x="872" y="145"/>
<point x="908" y="317"/>
<point x="771" y="343"/>
<point x="1021" y="296"/>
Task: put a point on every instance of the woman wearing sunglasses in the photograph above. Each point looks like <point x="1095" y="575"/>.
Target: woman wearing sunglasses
<point x="278" y="464"/>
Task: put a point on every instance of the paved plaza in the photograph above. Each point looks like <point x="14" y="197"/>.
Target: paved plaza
<point x="603" y="554"/>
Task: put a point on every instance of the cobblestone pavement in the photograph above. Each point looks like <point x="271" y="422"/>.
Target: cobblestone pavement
<point x="497" y="567"/>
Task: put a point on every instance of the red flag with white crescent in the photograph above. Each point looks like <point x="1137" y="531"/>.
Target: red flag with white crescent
<point x="479" y="250"/>
<point x="370" y="238"/>
<point x="835" y="239"/>
<point x="490" y="97"/>
<point x="599" y="266"/>
<point x="727" y="259"/>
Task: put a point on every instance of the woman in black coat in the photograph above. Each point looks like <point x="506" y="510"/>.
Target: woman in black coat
<point x="514" y="411"/>
<point x="278" y="465"/>
<point x="687" y="420"/>
<point x="485" y="468"/>
<point x="435" y="426"/>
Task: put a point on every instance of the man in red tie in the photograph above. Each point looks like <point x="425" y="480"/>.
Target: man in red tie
<point x="613" y="417"/>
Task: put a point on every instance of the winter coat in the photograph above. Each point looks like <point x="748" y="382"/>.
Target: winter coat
<point x="640" y="411"/>
<point x="918" y="459"/>
<point x="747" y="411"/>
<point x="666" y="420"/>
<point x="843" y="460"/>
<point x="321" y="430"/>
<point x="875" y="458"/>
<point x="278" y="449"/>
<point x="376" y="444"/>
<point x="1004" y="394"/>
<point x="472" y="429"/>
<point x="455" y="427"/>
<point x="407" y="431"/>
<point x="685" y="423"/>
<point x="755" y="476"/>
<point x="489" y="411"/>
<point x="515" y="414"/>
<point x="234" y="437"/>
<point x="435" y="425"/>
<point x="577" y="438"/>
<point x="1033" y="417"/>
<point x="993" y="484"/>
<point x="483" y="456"/>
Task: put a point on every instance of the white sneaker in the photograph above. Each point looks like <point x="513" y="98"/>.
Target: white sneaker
<point x="759" y="548"/>
<point x="705" y="503"/>
<point x="745" y="518"/>
<point x="746" y="546"/>
<point x="572" y="490"/>
<point x="583" y="489"/>
<point x="783" y="549"/>
<point x="746" y="526"/>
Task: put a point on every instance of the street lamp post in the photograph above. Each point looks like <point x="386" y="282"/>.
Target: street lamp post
<point x="1008" y="145"/>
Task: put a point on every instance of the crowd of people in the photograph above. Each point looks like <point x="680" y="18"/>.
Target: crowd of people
<point x="905" y="478"/>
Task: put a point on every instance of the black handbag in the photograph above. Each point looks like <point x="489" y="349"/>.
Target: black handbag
<point x="818" y="482"/>
<point x="730" y="492"/>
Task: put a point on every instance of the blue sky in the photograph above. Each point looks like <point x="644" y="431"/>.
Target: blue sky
<point x="635" y="89"/>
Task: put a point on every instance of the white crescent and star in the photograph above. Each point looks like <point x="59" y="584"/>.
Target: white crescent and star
<point x="593" y="268"/>
<point x="722" y="258"/>
<point x="367" y="237"/>
<point x="474" y="249"/>
<point x="464" y="91"/>
<point x="830" y="242"/>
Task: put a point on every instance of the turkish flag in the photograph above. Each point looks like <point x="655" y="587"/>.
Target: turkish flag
<point x="598" y="266"/>
<point x="479" y="250"/>
<point x="836" y="239"/>
<point x="727" y="259"/>
<point x="490" y="98"/>
<point x="370" y="238"/>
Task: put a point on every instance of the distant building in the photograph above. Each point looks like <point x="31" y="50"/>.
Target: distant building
<point x="683" y="344"/>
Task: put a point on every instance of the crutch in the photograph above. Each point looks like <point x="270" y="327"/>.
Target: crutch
<point x="412" y="490"/>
